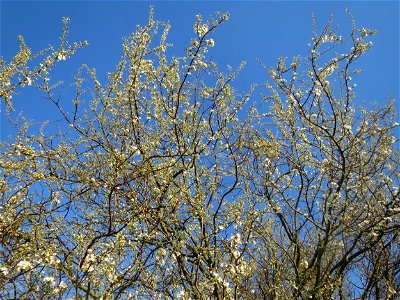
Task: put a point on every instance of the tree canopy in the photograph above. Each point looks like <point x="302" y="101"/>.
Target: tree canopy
<point x="165" y="182"/>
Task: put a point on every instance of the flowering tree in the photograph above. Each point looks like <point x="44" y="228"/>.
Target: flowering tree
<point x="168" y="184"/>
<point x="328" y="175"/>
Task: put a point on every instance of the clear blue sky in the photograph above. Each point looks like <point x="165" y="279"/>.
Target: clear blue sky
<point x="263" y="30"/>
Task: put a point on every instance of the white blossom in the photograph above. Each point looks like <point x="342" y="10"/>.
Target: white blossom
<point x="24" y="265"/>
<point x="210" y="42"/>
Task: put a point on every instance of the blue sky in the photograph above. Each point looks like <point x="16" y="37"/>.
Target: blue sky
<point x="264" y="30"/>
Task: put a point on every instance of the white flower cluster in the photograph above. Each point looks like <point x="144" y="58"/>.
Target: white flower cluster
<point x="210" y="42"/>
<point x="317" y="92"/>
<point x="366" y="32"/>
<point x="4" y="271"/>
<point x="61" y="56"/>
<point x="236" y="239"/>
<point x="330" y="38"/>
<point x="23" y="265"/>
<point x="201" y="30"/>
<point x="181" y="295"/>
<point x="49" y="280"/>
